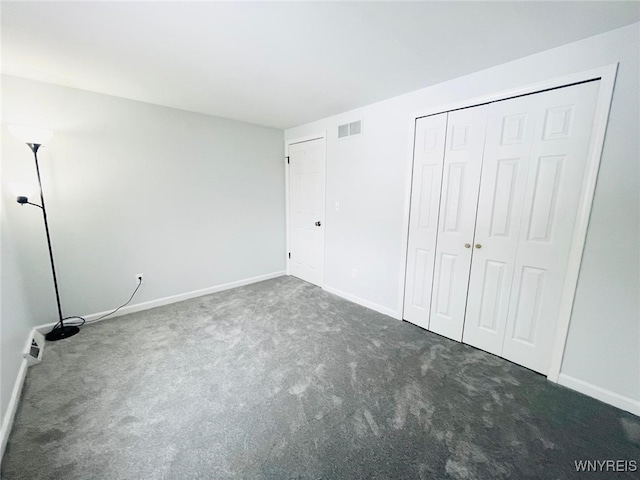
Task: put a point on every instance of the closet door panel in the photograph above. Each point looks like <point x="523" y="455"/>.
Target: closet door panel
<point x="460" y="183"/>
<point x="508" y="146"/>
<point x="564" y="122"/>
<point x="428" y="157"/>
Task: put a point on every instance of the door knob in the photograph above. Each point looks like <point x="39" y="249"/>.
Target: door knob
<point x="467" y="245"/>
<point x="478" y="245"/>
<point x="318" y="224"/>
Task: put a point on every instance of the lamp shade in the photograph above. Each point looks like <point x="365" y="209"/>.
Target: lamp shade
<point x="38" y="136"/>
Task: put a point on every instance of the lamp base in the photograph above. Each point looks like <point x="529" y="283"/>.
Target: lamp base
<point x="61" y="332"/>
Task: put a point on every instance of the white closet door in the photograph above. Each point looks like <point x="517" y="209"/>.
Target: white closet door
<point x="460" y="184"/>
<point x="564" y="121"/>
<point x="505" y="167"/>
<point x="428" y="156"/>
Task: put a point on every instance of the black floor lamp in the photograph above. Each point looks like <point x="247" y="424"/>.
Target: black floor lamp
<point x="35" y="138"/>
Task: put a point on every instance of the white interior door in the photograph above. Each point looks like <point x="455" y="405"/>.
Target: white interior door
<point x="428" y="156"/>
<point x="460" y="184"/>
<point x="512" y="180"/>
<point x="306" y="210"/>
<point x="505" y="168"/>
<point x="563" y="126"/>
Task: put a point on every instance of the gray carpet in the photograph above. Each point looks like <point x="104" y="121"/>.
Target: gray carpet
<point x="282" y="380"/>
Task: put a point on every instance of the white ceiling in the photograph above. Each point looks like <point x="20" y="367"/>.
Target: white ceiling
<point x="282" y="64"/>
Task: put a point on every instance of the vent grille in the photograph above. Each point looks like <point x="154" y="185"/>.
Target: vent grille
<point x="34" y="348"/>
<point x="350" y="129"/>
<point x="355" y="128"/>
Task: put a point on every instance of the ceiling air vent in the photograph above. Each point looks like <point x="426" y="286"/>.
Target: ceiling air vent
<point x="350" y="129"/>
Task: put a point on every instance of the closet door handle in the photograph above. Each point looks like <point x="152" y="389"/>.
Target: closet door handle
<point x="478" y="245"/>
<point x="467" y="245"/>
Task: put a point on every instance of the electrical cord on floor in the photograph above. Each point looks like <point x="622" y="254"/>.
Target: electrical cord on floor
<point x="71" y="324"/>
<point x="123" y="305"/>
<point x="84" y="321"/>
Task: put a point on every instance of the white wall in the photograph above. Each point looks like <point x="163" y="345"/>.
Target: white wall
<point x="367" y="176"/>
<point x="16" y="319"/>
<point x="191" y="201"/>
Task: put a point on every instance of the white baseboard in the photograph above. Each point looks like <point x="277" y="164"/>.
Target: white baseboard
<point x="10" y="414"/>
<point x="362" y="301"/>
<point x="599" y="393"/>
<point x="172" y="299"/>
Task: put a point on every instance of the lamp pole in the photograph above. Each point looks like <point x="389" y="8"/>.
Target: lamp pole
<point x="59" y="331"/>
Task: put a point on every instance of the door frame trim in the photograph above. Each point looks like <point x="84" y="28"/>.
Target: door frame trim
<point x="287" y="143"/>
<point x="607" y="76"/>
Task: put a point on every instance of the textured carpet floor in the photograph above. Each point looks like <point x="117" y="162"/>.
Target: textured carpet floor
<point x="282" y="380"/>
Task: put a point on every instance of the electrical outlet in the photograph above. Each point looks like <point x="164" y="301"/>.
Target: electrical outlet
<point x="139" y="278"/>
<point x="354" y="273"/>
